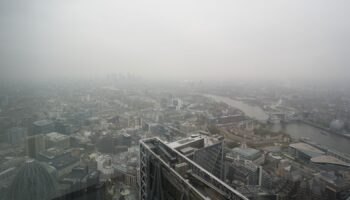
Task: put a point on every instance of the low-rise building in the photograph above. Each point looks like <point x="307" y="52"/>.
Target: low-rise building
<point x="57" y="140"/>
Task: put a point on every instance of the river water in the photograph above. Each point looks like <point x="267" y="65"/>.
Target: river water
<point x="296" y="130"/>
<point x="254" y="112"/>
<point x="299" y="130"/>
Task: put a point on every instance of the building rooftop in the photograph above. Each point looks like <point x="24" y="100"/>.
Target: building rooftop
<point x="33" y="181"/>
<point x="245" y="152"/>
<point x="306" y="147"/>
<point x="50" y="153"/>
<point x="63" y="161"/>
<point x="335" y="181"/>
<point x="187" y="150"/>
<point x="329" y="160"/>
<point x="207" y="140"/>
<point x="54" y="136"/>
<point x="42" y="122"/>
<point x="197" y="182"/>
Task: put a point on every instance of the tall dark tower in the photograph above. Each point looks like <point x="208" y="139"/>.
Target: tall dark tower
<point x="165" y="173"/>
<point x="33" y="182"/>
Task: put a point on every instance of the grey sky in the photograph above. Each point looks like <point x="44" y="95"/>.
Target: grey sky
<point x="176" y="39"/>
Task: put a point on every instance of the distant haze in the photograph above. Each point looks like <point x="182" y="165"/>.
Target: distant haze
<point x="179" y="39"/>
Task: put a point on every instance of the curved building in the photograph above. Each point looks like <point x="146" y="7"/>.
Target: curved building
<point x="33" y="182"/>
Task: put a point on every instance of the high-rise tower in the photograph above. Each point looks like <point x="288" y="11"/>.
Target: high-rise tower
<point x="165" y="173"/>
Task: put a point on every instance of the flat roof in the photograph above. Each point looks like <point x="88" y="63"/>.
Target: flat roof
<point x="329" y="160"/>
<point x="208" y="140"/>
<point x="43" y="122"/>
<point x="245" y="151"/>
<point x="56" y="136"/>
<point x="306" y="147"/>
<point x="185" y="141"/>
<point x="187" y="150"/>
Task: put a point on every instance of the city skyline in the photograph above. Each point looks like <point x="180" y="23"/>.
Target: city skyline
<point x="174" y="100"/>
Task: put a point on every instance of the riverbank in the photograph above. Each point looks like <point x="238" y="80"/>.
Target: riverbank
<point x="300" y="130"/>
<point x="324" y="129"/>
<point x="254" y="112"/>
<point x="296" y="130"/>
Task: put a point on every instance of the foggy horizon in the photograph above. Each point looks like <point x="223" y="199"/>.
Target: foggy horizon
<point x="187" y="40"/>
<point x="174" y="100"/>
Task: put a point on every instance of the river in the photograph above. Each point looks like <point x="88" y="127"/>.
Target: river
<point x="296" y="129"/>
<point x="299" y="130"/>
<point x="254" y="112"/>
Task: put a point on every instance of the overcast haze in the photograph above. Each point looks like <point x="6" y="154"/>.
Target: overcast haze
<point x="176" y="39"/>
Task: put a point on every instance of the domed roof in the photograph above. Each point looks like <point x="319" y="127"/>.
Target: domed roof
<point x="336" y="124"/>
<point x="33" y="182"/>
